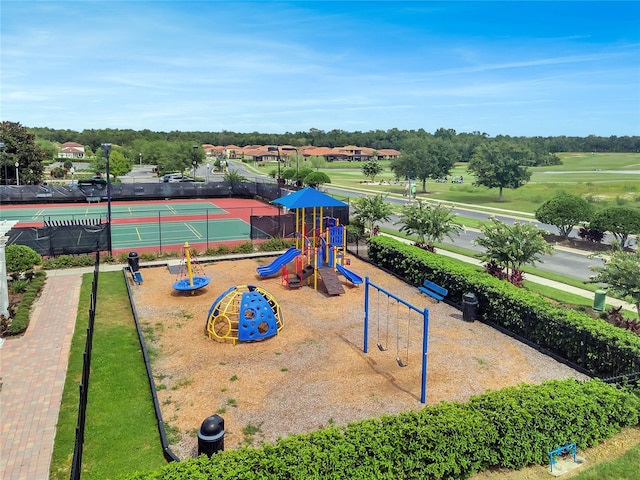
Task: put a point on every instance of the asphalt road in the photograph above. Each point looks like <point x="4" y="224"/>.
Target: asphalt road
<point x="566" y="262"/>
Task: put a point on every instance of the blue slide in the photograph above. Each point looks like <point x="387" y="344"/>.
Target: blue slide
<point x="274" y="267"/>
<point x="349" y="275"/>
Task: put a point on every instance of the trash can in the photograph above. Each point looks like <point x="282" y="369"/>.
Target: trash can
<point x="211" y="436"/>
<point x="134" y="261"/>
<point x="469" y="307"/>
<point x="599" y="301"/>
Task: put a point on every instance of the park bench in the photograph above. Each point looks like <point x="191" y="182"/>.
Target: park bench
<point x="433" y="290"/>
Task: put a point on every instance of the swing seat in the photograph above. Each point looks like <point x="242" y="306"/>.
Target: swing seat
<point x="433" y="290"/>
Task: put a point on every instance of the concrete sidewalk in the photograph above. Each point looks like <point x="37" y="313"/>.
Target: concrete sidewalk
<point x="33" y="370"/>
<point x="532" y="278"/>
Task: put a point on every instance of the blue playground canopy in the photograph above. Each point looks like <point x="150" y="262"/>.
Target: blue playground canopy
<point x="308" y="198"/>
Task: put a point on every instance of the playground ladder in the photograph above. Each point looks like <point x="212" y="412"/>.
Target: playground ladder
<point x="331" y="281"/>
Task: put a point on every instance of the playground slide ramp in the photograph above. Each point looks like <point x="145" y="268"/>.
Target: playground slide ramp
<point x="349" y="275"/>
<point x="274" y="267"/>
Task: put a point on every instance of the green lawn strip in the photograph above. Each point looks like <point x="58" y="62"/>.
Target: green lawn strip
<point x="624" y="467"/>
<point x="68" y="416"/>
<point x="121" y="436"/>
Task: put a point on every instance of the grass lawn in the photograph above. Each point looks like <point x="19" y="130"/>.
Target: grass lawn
<point x="625" y="467"/>
<point x="121" y="434"/>
<point x="602" y="178"/>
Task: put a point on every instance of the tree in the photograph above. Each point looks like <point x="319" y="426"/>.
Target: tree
<point x="370" y="210"/>
<point x="564" y="211"/>
<point x="118" y="164"/>
<point x="512" y="246"/>
<point x="501" y="164"/>
<point x="619" y="221"/>
<point x="315" y="179"/>
<point x="233" y="177"/>
<point x="622" y="273"/>
<point x="317" y="162"/>
<point x="371" y="169"/>
<point x="425" y="157"/>
<point x="430" y="224"/>
<point x="20" y="147"/>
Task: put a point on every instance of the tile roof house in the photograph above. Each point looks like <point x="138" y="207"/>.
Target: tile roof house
<point x="261" y="153"/>
<point x="71" y="150"/>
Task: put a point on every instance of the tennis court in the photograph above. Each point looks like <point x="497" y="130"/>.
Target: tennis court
<point x="146" y="225"/>
<point x="135" y="210"/>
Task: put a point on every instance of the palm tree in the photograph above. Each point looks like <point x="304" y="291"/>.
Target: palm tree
<point x="430" y="224"/>
<point x="370" y="210"/>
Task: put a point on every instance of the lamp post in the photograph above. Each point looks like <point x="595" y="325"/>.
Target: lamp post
<point x="17" y="174"/>
<point x="276" y="149"/>
<point x="107" y="150"/>
<point x="194" y="162"/>
<point x="4" y="160"/>
<point x="289" y="149"/>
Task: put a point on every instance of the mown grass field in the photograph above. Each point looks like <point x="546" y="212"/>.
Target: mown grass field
<point x="603" y="178"/>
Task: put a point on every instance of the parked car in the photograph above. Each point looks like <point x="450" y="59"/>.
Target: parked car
<point x="95" y="180"/>
<point x="172" y="177"/>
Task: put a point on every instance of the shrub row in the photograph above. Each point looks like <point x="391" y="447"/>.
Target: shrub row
<point x="20" y="320"/>
<point x="73" y="261"/>
<point x="513" y="427"/>
<point x="597" y="346"/>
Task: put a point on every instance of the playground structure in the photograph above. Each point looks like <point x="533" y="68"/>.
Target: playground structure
<point x="398" y="301"/>
<point x="244" y="313"/>
<point x="320" y="245"/>
<point x="188" y="282"/>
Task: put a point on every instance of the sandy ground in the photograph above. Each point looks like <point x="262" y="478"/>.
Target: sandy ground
<point x="314" y="373"/>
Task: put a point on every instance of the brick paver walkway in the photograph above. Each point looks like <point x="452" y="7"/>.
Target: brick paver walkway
<point x="32" y="370"/>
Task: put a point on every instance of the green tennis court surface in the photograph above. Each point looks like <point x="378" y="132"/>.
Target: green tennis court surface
<point x="175" y="233"/>
<point x="40" y="214"/>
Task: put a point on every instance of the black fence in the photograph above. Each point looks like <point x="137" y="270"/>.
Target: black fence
<point x="167" y="452"/>
<point x="63" y="237"/>
<point x="60" y="235"/>
<point x="25" y="194"/>
<point x="76" y="464"/>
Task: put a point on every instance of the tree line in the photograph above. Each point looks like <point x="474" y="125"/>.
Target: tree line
<point x="465" y="143"/>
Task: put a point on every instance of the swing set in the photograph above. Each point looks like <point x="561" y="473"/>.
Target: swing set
<point x="393" y="308"/>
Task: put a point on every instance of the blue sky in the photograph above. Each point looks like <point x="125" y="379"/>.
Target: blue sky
<point x="510" y="68"/>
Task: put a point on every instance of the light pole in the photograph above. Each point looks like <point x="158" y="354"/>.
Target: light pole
<point x="276" y="149"/>
<point x="194" y="162"/>
<point x="107" y="149"/>
<point x="4" y="160"/>
<point x="289" y="149"/>
<point x="140" y="158"/>
<point x="17" y="174"/>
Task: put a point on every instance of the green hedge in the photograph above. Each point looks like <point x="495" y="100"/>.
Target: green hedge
<point x="20" y="321"/>
<point x="594" y="344"/>
<point x="513" y="427"/>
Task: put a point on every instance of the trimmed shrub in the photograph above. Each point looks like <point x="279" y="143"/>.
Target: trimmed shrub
<point x="513" y="427"/>
<point x="21" y="258"/>
<point x="591" y="343"/>
<point x="20" y="320"/>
